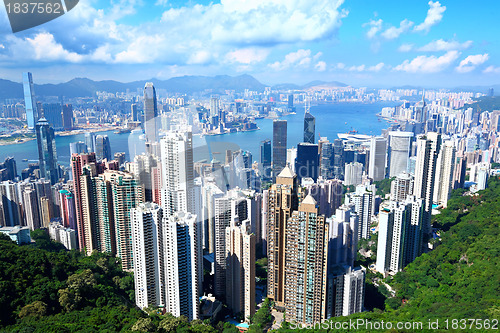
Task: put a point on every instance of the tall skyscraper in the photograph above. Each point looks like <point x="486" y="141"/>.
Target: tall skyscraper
<point x="53" y="113"/>
<point x="47" y="154"/>
<point x="214" y="107"/>
<point x="68" y="209"/>
<point x="11" y="204"/>
<point x="399" y="152"/>
<point x="444" y="174"/>
<point x="326" y="160"/>
<point x="151" y="125"/>
<point x="266" y="158"/>
<point x="284" y="198"/>
<point x="338" y="159"/>
<point x="378" y="154"/>
<point x="147" y="244"/>
<point x="309" y="127"/>
<point x="183" y="265"/>
<point x="114" y="220"/>
<point x="177" y="172"/>
<point x="67" y="116"/>
<point x="240" y="269"/>
<point x="402" y="186"/>
<point x="353" y="173"/>
<point x="90" y="142"/>
<point x="306" y="257"/>
<point x="428" y="148"/>
<point x="29" y="100"/>
<point x="363" y="201"/>
<point x="279" y="146"/>
<point x="30" y="203"/>
<point x="134" y="113"/>
<point x="307" y="161"/>
<point x="400" y="234"/>
<point x="102" y="147"/>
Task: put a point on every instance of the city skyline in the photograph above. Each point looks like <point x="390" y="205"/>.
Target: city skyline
<point x="356" y="42"/>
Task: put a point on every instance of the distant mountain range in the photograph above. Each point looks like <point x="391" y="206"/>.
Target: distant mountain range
<point x="83" y="87"/>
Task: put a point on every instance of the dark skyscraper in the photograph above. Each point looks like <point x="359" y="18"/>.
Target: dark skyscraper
<point x="326" y="162"/>
<point x="338" y="159"/>
<point x="266" y="157"/>
<point x="29" y="100"/>
<point x="309" y="127"/>
<point x="53" y="114"/>
<point x="102" y="147"/>
<point x="133" y="111"/>
<point x="307" y="162"/>
<point x="279" y="146"/>
<point x="47" y="150"/>
<point x="150" y="113"/>
<point x="290" y="102"/>
<point x="67" y="116"/>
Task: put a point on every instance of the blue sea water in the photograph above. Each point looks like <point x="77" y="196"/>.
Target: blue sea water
<point x="330" y="120"/>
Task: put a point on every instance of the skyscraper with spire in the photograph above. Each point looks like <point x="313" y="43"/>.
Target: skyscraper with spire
<point x="150" y="113"/>
<point x="309" y="127"/>
<point x="47" y="154"/>
<point x="29" y="100"/>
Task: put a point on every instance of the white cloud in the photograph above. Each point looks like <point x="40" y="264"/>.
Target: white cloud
<point x="242" y="31"/>
<point x="199" y="58"/>
<point x="45" y="48"/>
<point x="393" y="32"/>
<point x="434" y="16"/>
<point x="377" y="68"/>
<point x="359" y="68"/>
<point x="247" y="55"/>
<point x="471" y="62"/>
<point x="443" y="45"/>
<point x="375" y="27"/>
<point x="340" y="65"/>
<point x="405" y="48"/>
<point x="301" y="58"/>
<point x="428" y="64"/>
<point x="492" y="69"/>
<point x="320" y="66"/>
<point x="2" y="46"/>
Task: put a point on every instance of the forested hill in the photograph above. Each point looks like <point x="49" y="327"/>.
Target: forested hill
<point x="45" y="288"/>
<point x="460" y="279"/>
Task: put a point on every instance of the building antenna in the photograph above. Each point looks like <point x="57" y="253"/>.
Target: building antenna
<point x="307" y="106"/>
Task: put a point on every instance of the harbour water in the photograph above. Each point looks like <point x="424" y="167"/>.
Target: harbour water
<point x="331" y="119"/>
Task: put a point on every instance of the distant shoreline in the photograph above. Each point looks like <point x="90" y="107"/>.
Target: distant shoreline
<point x="60" y="134"/>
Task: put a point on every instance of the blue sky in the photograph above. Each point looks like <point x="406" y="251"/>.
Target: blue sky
<point x="359" y="42"/>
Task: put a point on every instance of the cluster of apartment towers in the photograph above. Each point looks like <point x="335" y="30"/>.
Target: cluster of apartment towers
<point x="160" y="220"/>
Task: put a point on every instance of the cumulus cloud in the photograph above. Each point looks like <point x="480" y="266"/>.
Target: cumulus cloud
<point x="377" y="68"/>
<point x="471" y="62"/>
<point x="300" y="59"/>
<point x="320" y="66"/>
<point x="374" y="27"/>
<point x="359" y="68"/>
<point x="434" y="16"/>
<point x="443" y="45"/>
<point x="428" y="64"/>
<point x="393" y="32"/>
<point x="405" y="48"/>
<point x="492" y="69"/>
<point x="241" y="31"/>
<point x="247" y="55"/>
